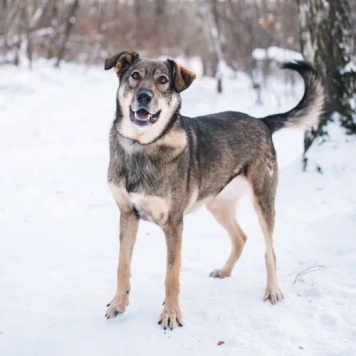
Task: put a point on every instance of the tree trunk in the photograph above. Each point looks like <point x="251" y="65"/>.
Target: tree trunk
<point x="326" y="40"/>
<point x="64" y="38"/>
<point x="54" y="25"/>
<point x="216" y="35"/>
<point x="160" y="9"/>
<point x="138" y="21"/>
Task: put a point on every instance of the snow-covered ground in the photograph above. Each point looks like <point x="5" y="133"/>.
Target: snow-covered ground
<point x="59" y="235"/>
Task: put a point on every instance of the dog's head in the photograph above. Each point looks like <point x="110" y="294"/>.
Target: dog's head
<point x="148" y="94"/>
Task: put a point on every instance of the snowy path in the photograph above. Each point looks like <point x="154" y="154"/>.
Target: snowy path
<point x="59" y="226"/>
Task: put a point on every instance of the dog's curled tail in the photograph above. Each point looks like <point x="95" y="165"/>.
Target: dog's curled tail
<point x="308" y="111"/>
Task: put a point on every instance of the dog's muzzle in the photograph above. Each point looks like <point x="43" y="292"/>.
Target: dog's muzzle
<point x="142" y="117"/>
<point x="141" y="109"/>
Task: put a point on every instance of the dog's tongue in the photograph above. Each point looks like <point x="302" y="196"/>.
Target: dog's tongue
<point x="142" y="115"/>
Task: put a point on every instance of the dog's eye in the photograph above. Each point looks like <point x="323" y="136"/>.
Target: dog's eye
<point x="135" y="75"/>
<point x="162" y="79"/>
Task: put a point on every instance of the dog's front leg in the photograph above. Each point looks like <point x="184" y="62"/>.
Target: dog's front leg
<point x="128" y="231"/>
<point x="171" y="315"/>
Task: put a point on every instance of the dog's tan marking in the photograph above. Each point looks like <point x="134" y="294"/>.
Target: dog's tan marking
<point x="224" y="212"/>
<point x="151" y="207"/>
<point x="120" y="61"/>
<point x="128" y="231"/>
<point x="237" y="188"/>
<point x="121" y="197"/>
<point x="193" y="196"/>
<point x="273" y="291"/>
<point x="223" y="208"/>
<point x="176" y="139"/>
<point x="264" y="187"/>
<point x="270" y="171"/>
<point x="195" y="204"/>
<point x="182" y="76"/>
<point x="171" y="315"/>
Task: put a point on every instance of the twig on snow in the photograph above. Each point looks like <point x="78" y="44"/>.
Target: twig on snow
<point x="310" y="269"/>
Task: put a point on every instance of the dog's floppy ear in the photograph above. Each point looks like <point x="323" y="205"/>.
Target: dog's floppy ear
<point x="182" y="77"/>
<point x="121" y="61"/>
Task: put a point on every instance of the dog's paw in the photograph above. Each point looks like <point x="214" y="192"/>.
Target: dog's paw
<point x="117" y="306"/>
<point x="220" y="273"/>
<point x="171" y="317"/>
<point x="273" y="294"/>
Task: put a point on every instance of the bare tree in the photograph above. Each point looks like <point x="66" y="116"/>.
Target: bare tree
<point x="219" y="32"/>
<point x="213" y="30"/>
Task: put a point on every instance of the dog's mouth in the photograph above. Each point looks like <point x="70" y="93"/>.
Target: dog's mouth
<point x="142" y="117"/>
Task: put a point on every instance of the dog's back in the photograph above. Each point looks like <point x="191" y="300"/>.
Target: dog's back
<point x="227" y="144"/>
<point x="223" y="146"/>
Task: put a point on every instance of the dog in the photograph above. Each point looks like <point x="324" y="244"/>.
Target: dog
<point x="164" y="165"/>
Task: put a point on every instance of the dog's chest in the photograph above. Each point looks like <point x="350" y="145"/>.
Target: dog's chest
<point x="149" y="207"/>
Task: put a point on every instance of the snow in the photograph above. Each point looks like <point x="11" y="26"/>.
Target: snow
<point x="276" y="53"/>
<point x="349" y="67"/>
<point x="59" y="235"/>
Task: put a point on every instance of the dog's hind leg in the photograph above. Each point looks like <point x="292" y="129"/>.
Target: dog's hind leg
<point x="224" y="212"/>
<point x="128" y="230"/>
<point x="264" y="182"/>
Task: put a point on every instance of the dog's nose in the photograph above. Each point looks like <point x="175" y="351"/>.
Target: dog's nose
<point x="144" y="97"/>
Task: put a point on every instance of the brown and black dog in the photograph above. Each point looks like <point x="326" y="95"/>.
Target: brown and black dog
<point x="164" y="165"/>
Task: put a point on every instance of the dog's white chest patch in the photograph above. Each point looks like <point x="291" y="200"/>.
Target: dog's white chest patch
<point x="150" y="207"/>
